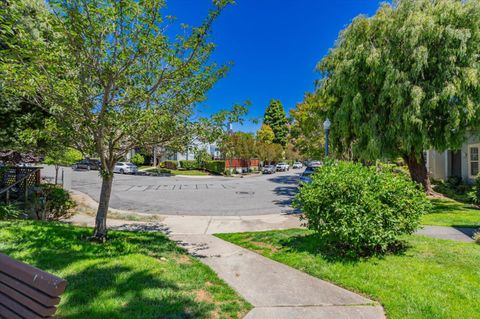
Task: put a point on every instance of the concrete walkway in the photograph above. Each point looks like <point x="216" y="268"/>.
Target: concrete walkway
<point x="452" y="233"/>
<point x="276" y="290"/>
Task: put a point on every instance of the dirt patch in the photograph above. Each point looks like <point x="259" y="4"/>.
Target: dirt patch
<point x="203" y="296"/>
<point x="182" y="259"/>
<point x="265" y="246"/>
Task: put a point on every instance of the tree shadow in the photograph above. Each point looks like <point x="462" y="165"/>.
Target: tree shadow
<point x="314" y="244"/>
<point x="285" y="179"/>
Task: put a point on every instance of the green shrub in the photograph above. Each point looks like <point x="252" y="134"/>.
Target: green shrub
<point x="215" y="166"/>
<point x="9" y="211"/>
<point x="189" y="164"/>
<point x="359" y="210"/>
<point x="476" y="237"/>
<point x="169" y="164"/>
<point x="57" y="202"/>
<point x="138" y="159"/>
<point x="456" y="189"/>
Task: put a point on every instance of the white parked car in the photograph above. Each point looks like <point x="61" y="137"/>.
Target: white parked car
<point x="125" y="168"/>
<point x="282" y="167"/>
<point x="297" y="165"/>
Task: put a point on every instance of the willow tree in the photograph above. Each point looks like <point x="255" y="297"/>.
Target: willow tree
<point x="115" y="73"/>
<point x="406" y="80"/>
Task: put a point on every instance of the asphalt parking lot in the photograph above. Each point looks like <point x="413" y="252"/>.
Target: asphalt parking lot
<point x="196" y="196"/>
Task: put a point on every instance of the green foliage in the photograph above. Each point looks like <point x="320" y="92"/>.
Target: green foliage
<point x="307" y="131"/>
<point x="239" y="145"/>
<point x="189" y="164"/>
<point x="405" y="80"/>
<point x="57" y="202"/>
<point x="474" y="194"/>
<point x="138" y="159"/>
<point x="277" y="120"/>
<point x="360" y="210"/>
<point x="476" y="237"/>
<point x="455" y="188"/>
<point x="9" y="211"/>
<point x="265" y="134"/>
<point x="217" y="167"/>
<point x="268" y="153"/>
<point x="62" y="156"/>
<point x="201" y="157"/>
<point x="169" y="164"/>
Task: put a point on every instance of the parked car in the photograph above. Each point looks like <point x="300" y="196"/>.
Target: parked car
<point x="125" y="168"/>
<point x="297" y="165"/>
<point x="282" y="167"/>
<point x="88" y="164"/>
<point x="306" y="177"/>
<point x="269" y="169"/>
<point x="314" y="164"/>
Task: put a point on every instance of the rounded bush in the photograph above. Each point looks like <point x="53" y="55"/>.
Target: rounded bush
<point x="359" y="210"/>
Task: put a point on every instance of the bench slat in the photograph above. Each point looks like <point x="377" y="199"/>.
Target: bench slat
<point x="27" y="302"/>
<point x="20" y="310"/>
<point x="29" y="291"/>
<point x="7" y="314"/>
<point x="34" y="277"/>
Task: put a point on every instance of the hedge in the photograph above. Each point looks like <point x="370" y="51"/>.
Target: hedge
<point x="189" y="164"/>
<point x="215" y="166"/>
<point x="169" y="164"/>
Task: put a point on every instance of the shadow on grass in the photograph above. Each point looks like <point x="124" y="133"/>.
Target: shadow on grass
<point x="103" y="280"/>
<point x="442" y="206"/>
<point x="333" y="252"/>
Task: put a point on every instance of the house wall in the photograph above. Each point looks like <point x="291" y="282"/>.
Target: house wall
<point x="436" y="163"/>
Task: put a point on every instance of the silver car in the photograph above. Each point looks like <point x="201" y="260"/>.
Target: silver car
<point x="125" y="168"/>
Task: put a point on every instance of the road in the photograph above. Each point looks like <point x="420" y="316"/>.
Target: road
<point x="196" y="196"/>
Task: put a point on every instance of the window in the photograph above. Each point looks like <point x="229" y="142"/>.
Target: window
<point x="473" y="161"/>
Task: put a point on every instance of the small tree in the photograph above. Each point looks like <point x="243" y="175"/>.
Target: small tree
<point x="405" y="81"/>
<point x="138" y="159"/>
<point x="111" y="74"/>
<point x="277" y="120"/>
<point x="62" y="157"/>
<point x="269" y="153"/>
<point x="265" y="134"/>
<point x="202" y="157"/>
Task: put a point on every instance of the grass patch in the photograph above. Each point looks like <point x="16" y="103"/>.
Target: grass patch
<point x="432" y="279"/>
<point x="133" y="275"/>
<point x="448" y="212"/>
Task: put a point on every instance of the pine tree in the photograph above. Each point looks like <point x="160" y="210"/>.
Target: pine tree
<point x="276" y="118"/>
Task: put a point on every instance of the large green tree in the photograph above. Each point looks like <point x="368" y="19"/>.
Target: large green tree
<point x="306" y="131"/>
<point x="277" y="120"/>
<point x="20" y="120"/>
<point x="406" y="80"/>
<point x="113" y="73"/>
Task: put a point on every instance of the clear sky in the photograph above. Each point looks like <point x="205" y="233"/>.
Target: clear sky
<point x="274" y="44"/>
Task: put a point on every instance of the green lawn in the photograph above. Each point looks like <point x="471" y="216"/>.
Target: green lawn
<point x="448" y="212"/>
<point x="432" y="279"/>
<point x="191" y="172"/>
<point x="133" y="275"/>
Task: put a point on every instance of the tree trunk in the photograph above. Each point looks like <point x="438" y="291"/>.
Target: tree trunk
<point x="100" y="233"/>
<point x="418" y="171"/>
<point x="56" y="174"/>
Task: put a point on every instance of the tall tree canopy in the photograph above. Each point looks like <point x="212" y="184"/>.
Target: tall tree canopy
<point x="406" y="80"/>
<point x="112" y="76"/>
<point x="307" y="128"/>
<point x="277" y="120"/>
<point x="20" y="120"/>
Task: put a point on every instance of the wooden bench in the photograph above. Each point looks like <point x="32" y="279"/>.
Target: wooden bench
<point x="27" y="292"/>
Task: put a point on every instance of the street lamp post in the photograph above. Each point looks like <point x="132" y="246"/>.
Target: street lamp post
<point x="326" y="127"/>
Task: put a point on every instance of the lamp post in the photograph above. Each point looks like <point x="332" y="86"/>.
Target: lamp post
<point x="326" y="127"/>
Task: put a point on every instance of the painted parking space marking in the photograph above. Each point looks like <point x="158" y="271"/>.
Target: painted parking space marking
<point x="178" y="187"/>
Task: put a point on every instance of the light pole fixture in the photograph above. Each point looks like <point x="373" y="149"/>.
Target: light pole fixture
<point x="326" y="126"/>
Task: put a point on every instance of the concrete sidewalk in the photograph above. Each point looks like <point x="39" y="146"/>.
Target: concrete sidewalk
<point x="451" y="233"/>
<point x="276" y="290"/>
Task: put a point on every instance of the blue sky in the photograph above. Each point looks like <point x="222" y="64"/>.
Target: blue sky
<point x="274" y="44"/>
